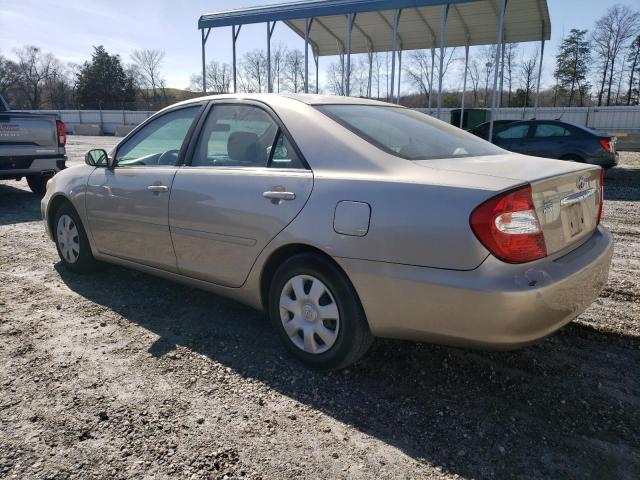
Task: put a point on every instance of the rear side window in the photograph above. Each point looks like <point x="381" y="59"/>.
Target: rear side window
<point x="551" y="130"/>
<point x="515" y="132"/>
<point x="235" y="136"/>
<point x="284" y="155"/>
<point x="408" y="134"/>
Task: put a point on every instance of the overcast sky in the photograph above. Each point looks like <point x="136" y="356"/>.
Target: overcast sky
<point x="69" y="29"/>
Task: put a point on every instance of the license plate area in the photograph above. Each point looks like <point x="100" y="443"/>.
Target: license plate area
<point x="575" y="218"/>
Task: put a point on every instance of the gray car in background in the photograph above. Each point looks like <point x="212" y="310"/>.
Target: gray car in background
<point x="344" y="219"/>
<point x="553" y="139"/>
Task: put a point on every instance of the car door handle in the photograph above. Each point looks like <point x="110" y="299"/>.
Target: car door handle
<point x="277" y="195"/>
<point x="158" y="188"/>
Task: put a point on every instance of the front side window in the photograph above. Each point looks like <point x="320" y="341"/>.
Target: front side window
<point x="235" y="136"/>
<point x="513" y="133"/>
<point x="159" y="142"/>
<point x="551" y="130"/>
<point x="408" y="134"/>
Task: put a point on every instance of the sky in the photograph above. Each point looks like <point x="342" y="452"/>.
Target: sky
<point x="69" y="29"/>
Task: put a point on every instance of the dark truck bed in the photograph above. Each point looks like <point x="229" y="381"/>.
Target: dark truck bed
<point x="31" y="147"/>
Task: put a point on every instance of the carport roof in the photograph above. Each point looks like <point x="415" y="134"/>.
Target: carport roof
<point x="470" y="22"/>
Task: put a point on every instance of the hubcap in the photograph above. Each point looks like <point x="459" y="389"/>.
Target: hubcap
<point x="309" y="314"/>
<point x="68" y="239"/>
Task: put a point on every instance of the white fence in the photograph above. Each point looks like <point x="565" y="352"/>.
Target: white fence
<point x="605" y="119"/>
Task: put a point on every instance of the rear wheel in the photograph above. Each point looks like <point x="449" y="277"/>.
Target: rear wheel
<point x="38" y="183"/>
<point x="71" y="241"/>
<point x="317" y="314"/>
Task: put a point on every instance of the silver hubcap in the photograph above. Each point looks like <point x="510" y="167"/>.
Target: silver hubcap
<point x="309" y="314"/>
<point x="68" y="239"/>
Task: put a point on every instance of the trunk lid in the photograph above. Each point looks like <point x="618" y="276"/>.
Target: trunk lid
<point x="566" y="195"/>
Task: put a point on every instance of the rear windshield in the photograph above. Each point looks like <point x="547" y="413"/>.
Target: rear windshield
<point x="408" y="134"/>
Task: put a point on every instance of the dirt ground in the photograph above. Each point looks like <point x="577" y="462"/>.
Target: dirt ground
<point x="121" y="375"/>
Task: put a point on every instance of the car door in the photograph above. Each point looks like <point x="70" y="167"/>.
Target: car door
<point x="128" y="205"/>
<point x="513" y="138"/>
<point x="549" y="139"/>
<point x="243" y="184"/>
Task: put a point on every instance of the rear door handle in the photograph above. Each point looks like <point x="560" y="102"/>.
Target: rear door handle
<point x="278" y="196"/>
<point x="158" y="188"/>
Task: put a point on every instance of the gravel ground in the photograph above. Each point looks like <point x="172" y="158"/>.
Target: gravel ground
<point x="121" y="375"/>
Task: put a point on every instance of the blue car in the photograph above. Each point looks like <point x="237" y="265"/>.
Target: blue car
<point x="552" y="139"/>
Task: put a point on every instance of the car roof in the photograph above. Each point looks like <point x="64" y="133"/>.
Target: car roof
<point x="306" y="98"/>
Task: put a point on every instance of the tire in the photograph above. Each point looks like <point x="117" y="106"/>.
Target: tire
<point x="71" y="241"/>
<point x="336" y="313"/>
<point x="38" y="183"/>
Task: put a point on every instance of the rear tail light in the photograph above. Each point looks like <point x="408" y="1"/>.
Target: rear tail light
<point x="606" y="144"/>
<point x="601" y="195"/>
<point x="507" y="225"/>
<point x="62" y="133"/>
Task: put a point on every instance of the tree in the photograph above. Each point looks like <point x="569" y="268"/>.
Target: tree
<point x="103" y="82"/>
<point x="527" y="79"/>
<point x="612" y="31"/>
<point x="218" y="78"/>
<point x="31" y="71"/>
<point x="418" y="68"/>
<point x="511" y="53"/>
<point x="148" y="68"/>
<point x="294" y="70"/>
<point x="633" y="60"/>
<point x="254" y="71"/>
<point x="572" y="63"/>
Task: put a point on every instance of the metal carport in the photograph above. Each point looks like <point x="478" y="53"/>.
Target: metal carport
<point x="343" y="27"/>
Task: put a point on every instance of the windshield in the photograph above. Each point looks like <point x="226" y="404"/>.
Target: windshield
<point x="408" y="134"/>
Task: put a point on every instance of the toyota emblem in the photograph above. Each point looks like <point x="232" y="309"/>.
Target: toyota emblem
<point x="582" y="182"/>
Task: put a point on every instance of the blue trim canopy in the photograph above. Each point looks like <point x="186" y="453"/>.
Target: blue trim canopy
<point x="470" y="22"/>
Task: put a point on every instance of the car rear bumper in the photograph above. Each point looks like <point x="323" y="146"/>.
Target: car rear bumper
<point x="497" y="305"/>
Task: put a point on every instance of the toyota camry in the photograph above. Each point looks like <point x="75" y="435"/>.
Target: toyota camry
<point x="344" y="220"/>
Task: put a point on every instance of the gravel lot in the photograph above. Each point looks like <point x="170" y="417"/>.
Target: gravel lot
<point x="121" y="375"/>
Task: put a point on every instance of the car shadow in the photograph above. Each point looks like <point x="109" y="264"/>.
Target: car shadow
<point x="622" y="183"/>
<point x="18" y="205"/>
<point x="561" y="408"/>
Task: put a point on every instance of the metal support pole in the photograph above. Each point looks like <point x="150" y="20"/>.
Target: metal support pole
<point x="350" y="19"/>
<point x="370" y="53"/>
<point x="316" y="58"/>
<point x="399" y="73"/>
<point x="433" y="62"/>
<point x="342" y="70"/>
<point x="234" y="38"/>
<point x="394" y="43"/>
<point x="464" y="83"/>
<point x="204" y="67"/>
<point x="306" y="55"/>
<point x="503" y="7"/>
<point x="535" y="107"/>
<point x="501" y="89"/>
<point x="443" y="42"/>
<point x="270" y="27"/>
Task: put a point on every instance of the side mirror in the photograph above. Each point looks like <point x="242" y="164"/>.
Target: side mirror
<point x="97" y="158"/>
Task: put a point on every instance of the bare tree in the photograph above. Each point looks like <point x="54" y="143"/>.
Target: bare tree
<point x="511" y="64"/>
<point x="611" y="33"/>
<point x="418" y="68"/>
<point x="294" y="70"/>
<point x="31" y="72"/>
<point x="335" y="73"/>
<point x="254" y="71"/>
<point x="278" y="61"/>
<point x="527" y="78"/>
<point x="218" y="78"/>
<point x="148" y="68"/>
<point x="474" y="77"/>
<point x="634" y="63"/>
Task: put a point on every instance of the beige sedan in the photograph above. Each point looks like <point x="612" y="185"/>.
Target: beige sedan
<point x="344" y="219"/>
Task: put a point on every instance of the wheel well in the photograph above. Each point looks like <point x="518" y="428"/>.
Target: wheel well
<point x="572" y="156"/>
<point x="278" y="257"/>
<point x="54" y="204"/>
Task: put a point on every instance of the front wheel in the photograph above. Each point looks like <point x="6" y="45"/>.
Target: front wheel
<point x="317" y="314"/>
<point x="71" y="241"/>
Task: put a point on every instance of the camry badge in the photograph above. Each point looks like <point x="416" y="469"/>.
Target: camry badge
<point x="582" y="182"/>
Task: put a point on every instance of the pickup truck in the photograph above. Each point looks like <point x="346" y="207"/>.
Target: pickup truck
<point x="32" y="146"/>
